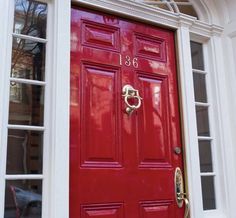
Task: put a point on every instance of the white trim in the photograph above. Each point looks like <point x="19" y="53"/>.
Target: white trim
<point x="202" y="138"/>
<point x="60" y="102"/>
<point x="20" y="177"/>
<point x="189" y="127"/>
<point x="202" y="104"/>
<point x="195" y="70"/>
<point x="225" y="152"/>
<point x="27" y="81"/>
<point x="25" y="127"/>
<point x="6" y="19"/>
<point x="32" y="38"/>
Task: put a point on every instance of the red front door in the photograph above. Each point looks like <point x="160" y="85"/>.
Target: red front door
<point x="122" y="165"/>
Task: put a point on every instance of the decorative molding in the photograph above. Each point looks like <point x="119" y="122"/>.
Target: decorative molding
<point x="146" y="13"/>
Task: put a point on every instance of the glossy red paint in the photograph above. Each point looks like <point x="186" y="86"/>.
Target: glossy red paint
<point x="121" y="165"/>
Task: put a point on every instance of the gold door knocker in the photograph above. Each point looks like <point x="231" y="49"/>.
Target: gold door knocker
<point x="128" y="92"/>
<point x="180" y="196"/>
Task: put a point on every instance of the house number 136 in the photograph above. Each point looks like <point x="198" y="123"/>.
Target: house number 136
<point x="128" y="61"/>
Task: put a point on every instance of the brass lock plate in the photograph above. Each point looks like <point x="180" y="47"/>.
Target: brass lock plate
<point x="179" y="187"/>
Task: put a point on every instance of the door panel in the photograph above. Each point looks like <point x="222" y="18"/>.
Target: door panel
<point x="122" y="165"/>
<point x="99" y="84"/>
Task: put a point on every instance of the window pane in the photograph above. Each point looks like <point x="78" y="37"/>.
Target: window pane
<point x="208" y="193"/>
<point x="30" y="18"/>
<point x="28" y="59"/>
<point x="23" y="198"/>
<point x="24" y="152"/>
<point x="202" y="121"/>
<point x="205" y="156"/>
<point x="197" y="56"/>
<point x="200" y="87"/>
<point x="187" y="9"/>
<point x="26" y="105"/>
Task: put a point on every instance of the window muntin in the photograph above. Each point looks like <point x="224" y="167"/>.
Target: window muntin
<point x="25" y="145"/>
<point x="175" y="6"/>
<point x="205" y="140"/>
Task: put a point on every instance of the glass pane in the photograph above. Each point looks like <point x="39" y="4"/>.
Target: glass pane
<point x="208" y="193"/>
<point x="197" y="56"/>
<point x="187" y="9"/>
<point x="202" y="121"/>
<point x="30" y="18"/>
<point x="28" y="59"/>
<point x="26" y="105"/>
<point x="205" y="156"/>
<point x="23" y="199"/>
<point x="200" y="87"/>
<point x="24" y="152"/>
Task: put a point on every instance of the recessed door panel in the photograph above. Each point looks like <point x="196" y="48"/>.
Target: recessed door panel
<point x="153" y="122"/>
<point x="100" y="85"/>
<point x="124" y="119"/>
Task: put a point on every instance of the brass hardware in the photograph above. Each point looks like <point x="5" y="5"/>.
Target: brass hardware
<point x="180" y="196"/>
<point x="128" y="92"/>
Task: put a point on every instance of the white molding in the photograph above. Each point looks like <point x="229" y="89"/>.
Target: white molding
<point x="133" y="10"/>
<point x="189" y="128"/>
<point x="6" y="19"/>
<point x="224" y="100"/>
<point x="27" y="81"/>
<point x="59" y="111"/>
<point x="20" y="177"/>
<point x="27" y="37"/>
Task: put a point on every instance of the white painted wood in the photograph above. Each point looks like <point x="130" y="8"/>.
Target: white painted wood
<point x="20" y="177"/>
<point x="36" y="39"/>
<point x="204" y="138"/>
<point x="58" y="174"/>
<point x="195" y="70"/>
<point x="6" y="26"/>
<point x="202" y="104"/>
<point x="225" y="150"/>
<point x="189" y="127"/>
<point x="25" y="127"/>
<point x="27" y="81"/>
<point x="208" y="174"/>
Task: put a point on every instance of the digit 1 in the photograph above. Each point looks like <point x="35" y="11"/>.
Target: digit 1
<point x="120" y="59"/>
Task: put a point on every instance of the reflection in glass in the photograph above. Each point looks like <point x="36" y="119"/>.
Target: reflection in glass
<point x="208" y="193"/>
<point x="205" y="156"/>
<point x="23" y="199"/>
<point x="200" y="87"/>
<point x="28" y="59"/>
<point x="202" y="121"/>
<point x="24" y="152"/>
<point x="187" y="9"/>
<point x="30" y="18"/>
<point x="197" y="56"/>
<point x="26" y="106"/>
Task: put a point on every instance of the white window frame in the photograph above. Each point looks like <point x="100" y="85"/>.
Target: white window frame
<point x="56" y="185"/>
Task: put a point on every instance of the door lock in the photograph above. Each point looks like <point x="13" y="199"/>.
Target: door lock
<point x="180" y="196"/>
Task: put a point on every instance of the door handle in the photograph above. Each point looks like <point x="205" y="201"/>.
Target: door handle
<point x="180" y="196"/>
<point x="128" y="92"/>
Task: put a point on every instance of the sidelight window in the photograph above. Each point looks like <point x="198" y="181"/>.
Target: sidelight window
<point x="26" y="129"/>
<point x="204" y="133"/>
